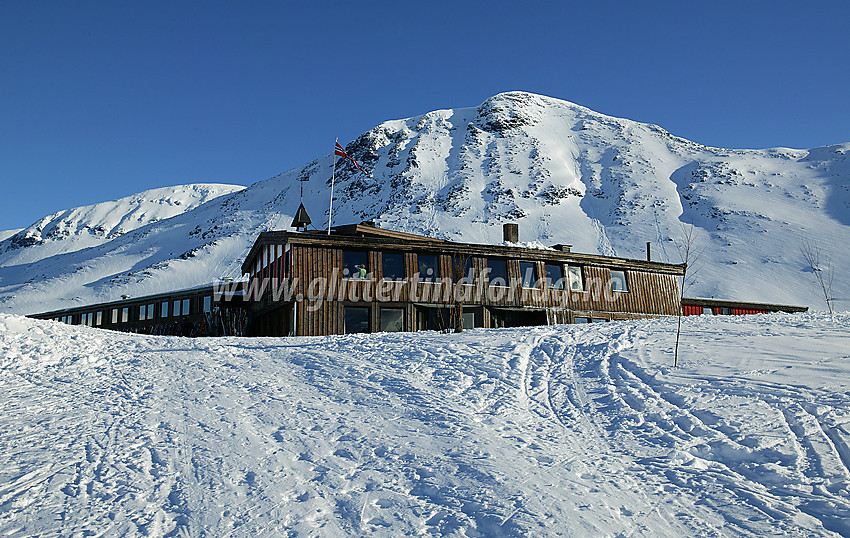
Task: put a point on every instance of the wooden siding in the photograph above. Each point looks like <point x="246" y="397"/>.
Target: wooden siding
<point x="322" y="309"/>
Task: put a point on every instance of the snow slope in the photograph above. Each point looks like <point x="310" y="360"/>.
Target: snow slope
<point x="564" y="430"/>
<point x="7" y="234"/>
<point x="88" y="226"/>
<point x="564" y="173"/>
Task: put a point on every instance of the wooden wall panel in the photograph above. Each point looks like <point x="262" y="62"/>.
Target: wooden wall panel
<point x="649" y="293"/>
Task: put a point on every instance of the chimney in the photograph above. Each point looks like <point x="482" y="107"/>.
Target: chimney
<point x="562" y="248"/>
<point x="648" y="251"/>
<point x="510" y="233"/>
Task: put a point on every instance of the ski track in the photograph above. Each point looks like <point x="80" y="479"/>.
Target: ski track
<point x="573" y="431"/>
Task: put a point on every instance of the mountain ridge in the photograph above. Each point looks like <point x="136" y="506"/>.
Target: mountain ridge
<point x="565" y="173"/>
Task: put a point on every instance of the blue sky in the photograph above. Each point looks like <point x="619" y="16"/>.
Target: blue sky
<point x="100" y="100"/>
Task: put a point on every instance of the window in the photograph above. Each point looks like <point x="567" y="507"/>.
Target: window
<point x="356" y="319"/>
<point x="176" y="308"/>
<point x="142" y="311"/>
<point x="462" y="269"/>
<point x="554" y="276"/>
<point x="208" y="304"/>
<point x="125" y="314"/>
<point x="99" y="318"/>
<point x="600" y="320"/>
<point x="498" y="272"/>
<point x="468" y="320"/>
<point x="707" y="311"/>
<point x="114" y="315"/>
<point x="150" y="311"/>
<point x="618" y="281"/>
<point x="528" y="274"/>
<point x="392" y="265"/>
<point x="392" y="319"/>
<point x="186" y="307"/>
<point x="576" y="280"/>
<point x="427" y="266"/>
<point x="724" y="310"/>
<point x="582" y="320"/>
<point x="163" y="309"/>
<point x="354" y="264"/>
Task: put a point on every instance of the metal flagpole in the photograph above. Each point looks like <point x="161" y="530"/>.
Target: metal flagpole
<point x="333" y="175"/>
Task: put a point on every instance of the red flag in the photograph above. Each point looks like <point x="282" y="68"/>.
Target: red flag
<point x="341" y="152"/>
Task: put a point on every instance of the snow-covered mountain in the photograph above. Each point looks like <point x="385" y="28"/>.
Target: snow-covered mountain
<point x="566" y="174"/>
<point x="7" y="234"/>
<point x="83" y="227"/>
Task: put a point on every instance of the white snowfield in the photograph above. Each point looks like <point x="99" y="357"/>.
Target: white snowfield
<point x="565" y="430"/>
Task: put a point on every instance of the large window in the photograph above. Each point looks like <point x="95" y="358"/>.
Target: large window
<point x="114" y="315"/>
<point x="208" y="304"/>
<point x="163" y="309"/>
<point x="462" y="269"/>
<point x="356" y="319"/>
<point x="287" y="262"/>
<point x="392" y="266"/>
<point x="427" y="266"/>
<point x="186" y="307"/>
<point x="576" y="280"/>
<point x="528" y="274"/>
<point x="355" y="264"/>
<point x="150" y="311"/>
<point x="498" y="273"/>
<point x="177" y="308"/>
<point x="618" y="281"/>
<point x="125" y="314"/>
<point x="392" y="319"/>
<point x="142" y="311"/>
<point x="555" y="276"/>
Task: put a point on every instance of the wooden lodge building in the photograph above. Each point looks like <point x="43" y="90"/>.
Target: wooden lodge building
<point x="360" y="278"/>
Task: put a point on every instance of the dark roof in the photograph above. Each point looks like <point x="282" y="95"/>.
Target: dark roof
<point x="367" y="236"/>
<point x="302" y="219"/>
<point x="724" y="303"/>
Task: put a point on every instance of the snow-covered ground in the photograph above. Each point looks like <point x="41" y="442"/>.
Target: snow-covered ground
<point x="568" y="430"/>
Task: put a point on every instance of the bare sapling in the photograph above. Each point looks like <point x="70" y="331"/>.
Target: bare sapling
<point x="689" y="254"/>
<point x="821" y="266"/>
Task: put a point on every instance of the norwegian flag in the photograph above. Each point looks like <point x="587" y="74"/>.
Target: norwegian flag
<point x="341" y="152"/>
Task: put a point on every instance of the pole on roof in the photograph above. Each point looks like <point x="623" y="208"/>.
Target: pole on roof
<point x="333" y="175"/>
